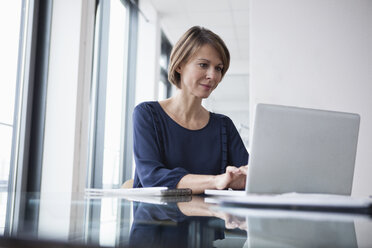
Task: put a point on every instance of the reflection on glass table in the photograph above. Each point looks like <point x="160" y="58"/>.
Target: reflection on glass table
<point x="291" y="228"/>
<point x="56" y="220"/>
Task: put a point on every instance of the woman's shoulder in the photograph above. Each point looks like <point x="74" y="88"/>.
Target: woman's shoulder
<point x="145" y="106"/>
<point x="224" y="120"/>
<point x="145" y="111"/>
<point x="220" y="117"/>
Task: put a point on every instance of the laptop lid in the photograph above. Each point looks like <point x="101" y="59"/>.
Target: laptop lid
<point x="302" y="150"/>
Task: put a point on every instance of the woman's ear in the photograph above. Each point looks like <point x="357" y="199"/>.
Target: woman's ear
<point x="179" y="69"/>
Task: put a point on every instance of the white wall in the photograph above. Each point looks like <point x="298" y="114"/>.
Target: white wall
<point x="318" y="54"/>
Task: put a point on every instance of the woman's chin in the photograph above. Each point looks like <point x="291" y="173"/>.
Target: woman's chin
<point x="202" y="95"/>
<point x="205" y="96"/>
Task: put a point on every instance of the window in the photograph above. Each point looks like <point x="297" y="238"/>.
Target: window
<point x="109" y="80"/>
<point x="112" y="103"/>
<point x="24" y="53"/>
<point x="10" y="24"/>
<point x="165" y="87"/>
<point x="112" y="99"/>
<point x="109" y="98"/>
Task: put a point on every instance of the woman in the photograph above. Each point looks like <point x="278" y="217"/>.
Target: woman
<point x="177" y="142"/>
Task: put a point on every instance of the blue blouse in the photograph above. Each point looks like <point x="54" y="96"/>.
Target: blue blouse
<point x="165" y="152"/>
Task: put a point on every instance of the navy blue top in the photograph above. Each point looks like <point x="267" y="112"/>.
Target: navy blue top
<point x="165" y="152"/>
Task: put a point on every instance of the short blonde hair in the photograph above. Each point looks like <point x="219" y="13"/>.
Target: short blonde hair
<point x="189" y="44"/>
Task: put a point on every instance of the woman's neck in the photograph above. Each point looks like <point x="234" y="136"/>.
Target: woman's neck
<point x="187" y="111"/>
<point x="187" y="107"/>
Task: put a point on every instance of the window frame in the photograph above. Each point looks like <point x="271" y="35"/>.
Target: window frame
<point x="166" y="49"/>
<point x="98" y="102"/>
<point x="97" y="112"/>
<point x="29" y="115"/>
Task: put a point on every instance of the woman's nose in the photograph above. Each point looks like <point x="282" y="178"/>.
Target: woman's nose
<point x="212" y="74"/>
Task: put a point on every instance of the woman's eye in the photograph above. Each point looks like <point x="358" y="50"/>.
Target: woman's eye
<point x="219" y="68"/>
<point x="203" y="65"/>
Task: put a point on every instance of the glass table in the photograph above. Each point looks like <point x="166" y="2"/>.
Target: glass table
<point x="78" y="220"/>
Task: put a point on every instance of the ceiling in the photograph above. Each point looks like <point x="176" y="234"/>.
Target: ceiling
<point x="227" y="18"/>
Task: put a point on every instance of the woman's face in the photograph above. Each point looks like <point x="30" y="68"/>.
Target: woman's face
<point x="202" y="73"/>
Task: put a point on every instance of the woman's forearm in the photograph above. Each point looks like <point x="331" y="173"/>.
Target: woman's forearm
<point x="198" y="183"/>
<point x="233" y="178"/>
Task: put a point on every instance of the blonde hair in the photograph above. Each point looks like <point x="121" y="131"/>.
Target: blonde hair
<point x="189" y="44"/>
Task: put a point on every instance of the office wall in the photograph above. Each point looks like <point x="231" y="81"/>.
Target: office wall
<point x="317" y="54"/>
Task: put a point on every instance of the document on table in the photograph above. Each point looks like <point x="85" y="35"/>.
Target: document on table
<point x="148" y="191"/>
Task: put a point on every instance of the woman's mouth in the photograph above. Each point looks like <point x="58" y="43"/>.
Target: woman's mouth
<point x="206" y="86"/>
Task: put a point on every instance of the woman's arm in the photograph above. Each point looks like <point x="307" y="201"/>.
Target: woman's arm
<point x="150" y="170"/>
<point x="233" y="178"/>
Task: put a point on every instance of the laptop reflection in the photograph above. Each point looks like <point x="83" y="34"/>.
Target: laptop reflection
<point x="281" y="228"/>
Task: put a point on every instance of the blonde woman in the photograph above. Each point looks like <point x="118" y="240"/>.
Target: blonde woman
<point x="177" y="142"/>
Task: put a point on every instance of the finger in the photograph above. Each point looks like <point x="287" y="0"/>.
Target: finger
<point x="231" y="169"/>
<point x="243" y="169"/>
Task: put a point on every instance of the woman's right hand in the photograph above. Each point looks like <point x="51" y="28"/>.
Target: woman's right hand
<point x="234" y="178"/>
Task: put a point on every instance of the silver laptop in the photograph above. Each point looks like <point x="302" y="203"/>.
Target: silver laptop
<point x="301" y="150"/>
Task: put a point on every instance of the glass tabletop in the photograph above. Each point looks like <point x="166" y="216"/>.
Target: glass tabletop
<point x="60" y="220"/>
